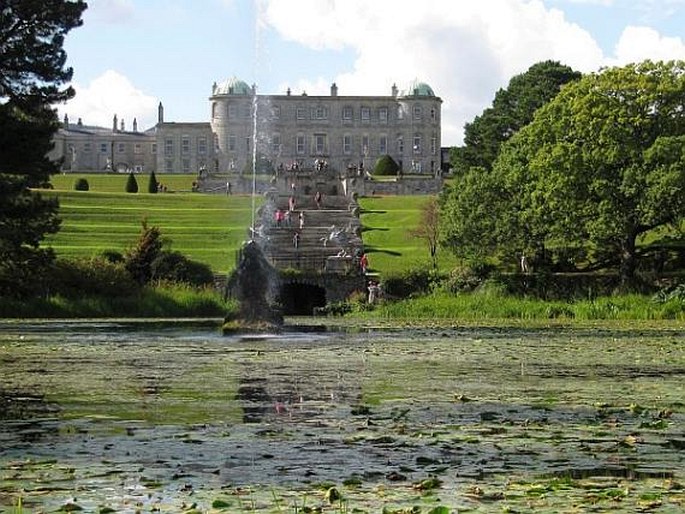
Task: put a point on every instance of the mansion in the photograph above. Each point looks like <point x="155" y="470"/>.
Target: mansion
<point x="292" y="131"/>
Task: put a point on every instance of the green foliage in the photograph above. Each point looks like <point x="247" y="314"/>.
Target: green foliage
<point x="138" y="260"/>
<point x="386" y="166"/>
<point x="599" y="165"/>
<point x="152" y="185"/>
<point x="512" y="109"/>
<point x="81" y="184"/>
<point x="176" y="267"/>
<point x="91" y="277"/>
<point x="131" y="183"/>
<point x="410" y="282"/>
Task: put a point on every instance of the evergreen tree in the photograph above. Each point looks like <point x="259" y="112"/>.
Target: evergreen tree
<point x="32" y="73"/>
<point x="152" y="185"/>
<point x="131" y="183"/>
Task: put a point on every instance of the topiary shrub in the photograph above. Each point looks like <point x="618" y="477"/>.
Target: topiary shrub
<point x="131" y="184"/>
<point x="152" y="185"/>
<point x="386" y="166"/>
<point x="81" y="184"/>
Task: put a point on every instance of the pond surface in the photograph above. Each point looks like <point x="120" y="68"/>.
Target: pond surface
<point x="173" y="417"/>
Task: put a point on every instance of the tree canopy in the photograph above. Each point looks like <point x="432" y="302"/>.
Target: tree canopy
<point x="512" y="109"/>
<point x="600" y="165"/>
<point x="32" y="78"/>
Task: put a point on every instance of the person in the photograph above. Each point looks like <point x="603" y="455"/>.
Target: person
<point x="364" y="263"/>
<point x="228" y="188"/>
<point x="301" y="220"/>
<point x="291" y="203"/>
<point x="296" y="239"/>
<point x="278" y="215"/>
<point x="317" y="199"/>
<point x="524" y="264"/>
<point x="287" y="219"/>
<point x="373" y="291"/>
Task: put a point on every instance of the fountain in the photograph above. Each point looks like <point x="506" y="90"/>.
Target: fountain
<point x="253" y="284"/>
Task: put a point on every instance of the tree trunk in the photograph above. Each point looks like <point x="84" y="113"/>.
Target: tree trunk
<point x="628" y="260"/>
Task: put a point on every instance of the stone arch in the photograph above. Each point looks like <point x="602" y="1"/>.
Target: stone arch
<point x="300" y="298"/>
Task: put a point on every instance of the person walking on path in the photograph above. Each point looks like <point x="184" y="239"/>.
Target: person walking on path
<point x="364" y="263"/>
<point x="317" y="199"/>
<point x="301" y="220"/>
<point x="296" y="240"/>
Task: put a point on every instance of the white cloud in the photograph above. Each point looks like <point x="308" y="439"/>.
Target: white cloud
<point x="109" y="94"/>
<point x="110" y="11"/>
<point x="640" y="43"/>
<point x="464" y="50"/>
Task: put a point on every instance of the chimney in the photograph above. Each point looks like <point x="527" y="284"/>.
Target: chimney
<point x="288" y="92"/>
<point x="160" y="113"/>
<point x="114" y="124"/>
<point x="66" y="121"/>
<point x="135" y="125"/>
<point x="334" y="89"/>
<point x="79" y="122"/>
<point x="394" y="91"/>
<point x="123" y="127"/>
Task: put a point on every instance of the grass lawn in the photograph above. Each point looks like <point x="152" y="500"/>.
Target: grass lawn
<point x="116" y="182"/>
<point x="388" y="221"/>
<point x="206" y="228"/>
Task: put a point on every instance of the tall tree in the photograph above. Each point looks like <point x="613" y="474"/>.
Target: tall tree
<point x="599" y="166"/>
<point x="32" y="78"/>
<point x="512" y="109"/>
<point x="429" y="228"/>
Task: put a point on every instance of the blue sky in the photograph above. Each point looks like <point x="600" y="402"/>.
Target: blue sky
<point x="131" y="54"/>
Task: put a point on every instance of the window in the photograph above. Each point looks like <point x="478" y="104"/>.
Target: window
<point x="301" y="113"/>
<point x="383" y="115"/>
<point x="320" y="113"/>
<point x="202" y="145"/>
<point x="138" y="168"/>
<point x="216" y="143"/>
<point x="168" y="147"/>
<point x="383" y="144"/>
<point x="185" y="145"/>
<point x="104" y="147"/>
<point x="417" y="112"/>
<point x="137" y="148"/>
<point x="400" y="112"/>
<point x="300" y="144"/>
<point x="276" y="112"/>
<point x="214" y="109"/>
<point x="347" y="113"/>
<point x="417" y="144"/>
<point x="433" y="114"/>
<point x="276" y="144"/>
<point x="247" y="111"/>
<point x="320" y="144"/>
<point x="186" y="165"/>
<point x="169" y="166"/>
<point x="153" y="148"/>
<point x="87" y="147"/>
<point x="232" y="112"/>
<point x="365" y="144"/>
<point x="366" y="114"/>
<point x="231" y="143"/>
<point x="121" y="147"/>
<point x="400" y="145"/>
<point x="347" y="144"/>
<point x="434" y="145"/>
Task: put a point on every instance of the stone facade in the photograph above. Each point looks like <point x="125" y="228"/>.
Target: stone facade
<point x="345" y="133"/>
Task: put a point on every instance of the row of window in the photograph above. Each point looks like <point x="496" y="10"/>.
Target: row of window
<point x="319" y="144"/>
<point x="321" y="112"/>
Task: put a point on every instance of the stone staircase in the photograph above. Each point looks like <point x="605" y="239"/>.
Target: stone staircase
<point x="330" y="238"/>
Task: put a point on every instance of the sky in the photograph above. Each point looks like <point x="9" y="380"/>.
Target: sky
<point x="131" y="54"/>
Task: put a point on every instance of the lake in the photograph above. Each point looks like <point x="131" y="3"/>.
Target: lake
<point x="150" y="416"/>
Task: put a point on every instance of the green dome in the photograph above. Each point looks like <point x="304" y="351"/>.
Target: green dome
<point x="416" y="88"/>
<point x="233" y="86"/>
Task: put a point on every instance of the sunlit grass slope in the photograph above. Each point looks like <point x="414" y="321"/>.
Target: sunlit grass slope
<point x="206" y="228"/>
<point x="116" y="182"/>
<point x="388" y="222"/>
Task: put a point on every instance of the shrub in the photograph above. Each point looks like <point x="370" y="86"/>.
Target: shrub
<point x="386" y="165"/>
<point x="176" y="267"/>
<point x="152" y="185"/>
<point x="138" y="260"/>
<point x="112" y="256"/>
<point x="96" y="276"/>
<point x="131" y="184"/>
<point x="410" y="282"/>
<point x="81" y="184"/>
